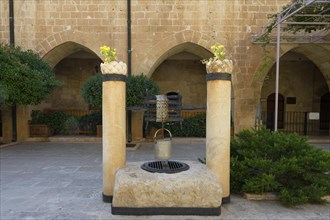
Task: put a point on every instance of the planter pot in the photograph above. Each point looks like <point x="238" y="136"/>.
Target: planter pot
<point x="114" y="67"/>
<point x="258" y="197"/>
<point x="40" y="130"/>
<point x="98" y="130"/>
<point x="219" y="66"/>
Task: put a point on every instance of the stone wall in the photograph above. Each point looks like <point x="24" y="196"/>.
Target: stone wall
<point x="72" y="73"/>
<point x="186" y="77"/>
<point x="160" y="29"/>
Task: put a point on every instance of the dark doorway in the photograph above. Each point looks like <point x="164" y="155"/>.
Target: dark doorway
<point x="325" y="112"/>
<point x="271" y="111"/>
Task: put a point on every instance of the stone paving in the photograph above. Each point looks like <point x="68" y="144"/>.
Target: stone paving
<point x="64" y="181"/>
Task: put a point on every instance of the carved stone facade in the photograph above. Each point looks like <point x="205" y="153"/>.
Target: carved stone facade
<point x="168" y="37"/>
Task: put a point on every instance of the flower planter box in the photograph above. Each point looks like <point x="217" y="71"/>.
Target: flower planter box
<point x="258" y="197"/>
<point x="40" y="130"/>
<point x="326" y="198"/>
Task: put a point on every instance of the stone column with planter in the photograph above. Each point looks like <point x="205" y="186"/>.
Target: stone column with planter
<point x="218" y="80"/>
<point x="113" y="119"/>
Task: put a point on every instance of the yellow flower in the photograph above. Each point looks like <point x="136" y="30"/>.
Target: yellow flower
<point x="110" y="54"/>
<point x="219" y="54"/>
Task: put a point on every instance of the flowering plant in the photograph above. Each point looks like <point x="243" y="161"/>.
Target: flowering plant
<point x="219" y="54"/>
<point x="218" y="63"/>
<point x="110" y="54"/>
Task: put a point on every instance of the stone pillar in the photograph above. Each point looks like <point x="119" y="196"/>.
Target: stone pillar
<point x="7" y="124"/>
<point x="22" y="122"/>
<point x="114" y="129"/>
<point x="218" y="129"/>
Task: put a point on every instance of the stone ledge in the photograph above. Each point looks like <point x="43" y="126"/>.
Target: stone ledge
<point x="270" y="196"/>
<point x="259" y="197"/>
<point x="194" y="188"/>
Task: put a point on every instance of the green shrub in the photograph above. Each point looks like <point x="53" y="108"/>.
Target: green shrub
<point x="54" y="120"/>
<point x="71" y="125"/>
<point x="89" y="122"/>
<point x="138" y="87"/>
<point x="25" y="78"/>
<point x="194" y="126"/>
<point x="265" y="161"/>
<point x="91" y="91"/>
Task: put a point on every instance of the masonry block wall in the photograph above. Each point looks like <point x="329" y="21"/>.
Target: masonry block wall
<point x="157" y="27"/>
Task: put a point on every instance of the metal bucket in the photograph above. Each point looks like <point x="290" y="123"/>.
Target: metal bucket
<point x="163" y="148"/>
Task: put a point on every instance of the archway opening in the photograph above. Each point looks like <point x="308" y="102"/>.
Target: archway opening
<point x="325" y="111"/>
<point x="271" y="111"/>
<point x="185" y="74"/>
<point x="301" y="85"/>
<point x="73" y="64"/>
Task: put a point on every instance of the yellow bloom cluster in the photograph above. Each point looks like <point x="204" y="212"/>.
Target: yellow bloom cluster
<point x="108" y="53"/>
<point x="219" y="52"/>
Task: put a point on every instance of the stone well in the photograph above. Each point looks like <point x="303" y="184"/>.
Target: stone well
<point x="193" y="192"/>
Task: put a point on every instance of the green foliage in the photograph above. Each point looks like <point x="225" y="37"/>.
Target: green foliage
<point x="25" y="78"/>
<point x="265" y="161"/>
<point x="61" y="123"/>
<point x="189" y="126"/>
<point x="261" y="184"/>
<point x="71" y="125"/>
<point x="265" y="65"/>
<point x="91" y="91"/>
<point x="316" y="8"/>
<point x="89" y="122"/>
<point x="293" y="197"/>
<point x="55" y="120"/>
<point x="304" y="16"/>
<point x="137" y="88"/>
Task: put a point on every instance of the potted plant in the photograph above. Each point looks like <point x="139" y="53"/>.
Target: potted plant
<point x="111" y="65"/>
<point x="137" y="88"/>
<point x="38" y="125"/>
<point x="219" y="63"/>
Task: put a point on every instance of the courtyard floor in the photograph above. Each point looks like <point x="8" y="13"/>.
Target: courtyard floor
<point x="47" y="180"/>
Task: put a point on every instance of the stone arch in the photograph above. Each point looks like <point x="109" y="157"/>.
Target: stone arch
<point x="303" y="82"/>
<point x="187" y="40"/>
<point x="73" y="64"/>
<point x="59" y="45"/>
<point x="56" y="54"/>
<point x="319" y="55"/>
<point x="316" y="53"/>
<point x="194" y="49"/>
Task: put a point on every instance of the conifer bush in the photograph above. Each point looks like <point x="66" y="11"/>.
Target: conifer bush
<point x="285" y="164"/>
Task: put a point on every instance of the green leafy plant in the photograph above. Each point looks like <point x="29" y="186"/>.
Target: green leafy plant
<point x="219" y="54"/>
<point x="109" y="54"/>
<point x="307" y="16"/>
<point x="71" y="125"/>
<point x="90" y="121"/>
<point x="91" y="91"/>
<point x="265" y="64"/>
<point x="189" y="126"/>
<point x="25" y="78"/>
<point x="285" y="164"/>
<point x="137" y="88"/>
<point x="55" y="120"/>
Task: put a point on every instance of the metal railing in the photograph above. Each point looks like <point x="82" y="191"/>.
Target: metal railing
<point x="298" y="122"/>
